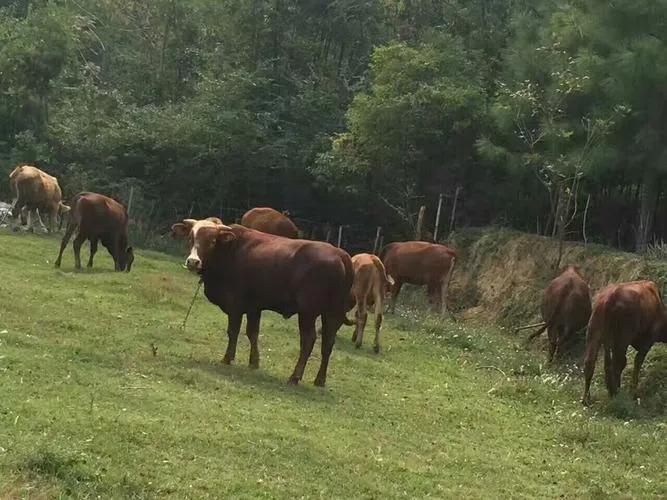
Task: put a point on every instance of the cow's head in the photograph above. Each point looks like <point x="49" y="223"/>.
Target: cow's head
<point x="204" y="236"/>
<point x="125" y="259"/>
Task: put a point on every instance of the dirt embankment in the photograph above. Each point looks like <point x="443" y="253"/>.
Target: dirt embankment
<point x="500" y="274"/>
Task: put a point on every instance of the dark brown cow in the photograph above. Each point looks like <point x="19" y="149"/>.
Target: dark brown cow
<point x="566" y="308"/>
<point x="270" y="221"/>
<point x="369" y="288"/>
<point x="420" y="263"/>
<point x="625" y="314"/>
<point x="98" y="218"/>
<point x="246" y="272"/>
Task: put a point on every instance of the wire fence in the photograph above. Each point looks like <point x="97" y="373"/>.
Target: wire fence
<point x="150" y="230"/>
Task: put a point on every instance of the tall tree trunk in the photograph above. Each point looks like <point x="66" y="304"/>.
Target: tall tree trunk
<point x="648" y="198"/>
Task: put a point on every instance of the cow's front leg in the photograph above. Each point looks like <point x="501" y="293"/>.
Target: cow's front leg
<point x="233" y="329"/>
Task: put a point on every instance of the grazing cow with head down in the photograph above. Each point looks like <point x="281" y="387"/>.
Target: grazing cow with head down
<point x="98" y="218"/>
<point x="369" y="288"/>
<point x="420" y="263"/>
<point x="246" y="272"/>
<point x="36" y="191"/>
<point x="270" y="221"/>
<point x="625" y="314"/>
<point x="566" y="308"/>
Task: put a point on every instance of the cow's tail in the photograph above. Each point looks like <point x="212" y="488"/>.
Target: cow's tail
<point x="594" y="339"/>
<point x="387" y="279"/>
<point x="349" y="300"/>
<point x="549" y="322"/>
<point x="74" y="211"/>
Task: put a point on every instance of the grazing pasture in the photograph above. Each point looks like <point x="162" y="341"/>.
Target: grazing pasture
<point x="103" y="394"/>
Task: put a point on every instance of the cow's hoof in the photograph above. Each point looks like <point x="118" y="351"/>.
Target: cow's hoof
<point x="254" y="365"/>
<point x="376" y="349"/>
<point x="292" y="381"/>
<point x="227" y="360"/>
<point x="319" y="382"/>
<point x="357" y="345"/>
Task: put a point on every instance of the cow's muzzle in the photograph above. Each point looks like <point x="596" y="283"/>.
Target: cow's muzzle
<point x="193" y="265"/>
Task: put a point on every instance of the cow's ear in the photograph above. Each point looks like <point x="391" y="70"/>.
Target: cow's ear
<point x="180" y="230"/>
<point x="390" y="280"/>
<point x="225" y="236"/>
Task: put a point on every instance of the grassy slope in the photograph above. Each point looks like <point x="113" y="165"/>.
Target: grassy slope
<point x="87" y="410"/>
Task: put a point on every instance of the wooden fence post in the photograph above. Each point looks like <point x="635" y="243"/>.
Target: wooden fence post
<point x="437" y="219"/>
<point x="420" y="223"/>
<point x="377" y="240"/>
<point x="327" y="237"/>
<point x="129" y="202"/>
<point x="583" y="227"/>
<point x="456" y="199"/>
<point x="340" y="235"/>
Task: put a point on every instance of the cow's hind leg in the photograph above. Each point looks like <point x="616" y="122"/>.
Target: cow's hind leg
<point x="233" y="329"/>
<point x="252" y="331"/>
<point x="330" y="325"/>
<point x="639" y="361"/>
<point x="593" y="342"/>
<point x="362" y="317"/>
<point x="378" y="323"/>
<point x="444" y="290"/>
<point x="307" y="341"/>
<point x="619" y="362"/>
<point x="76" y="245"/>
<point x="552" y="333"/>
<point x="63" y="244"/>
<point x="93" y="251"/>
<point x="41" y="222"/>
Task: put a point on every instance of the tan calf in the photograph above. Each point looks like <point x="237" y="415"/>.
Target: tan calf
<point x="370" y="286"/>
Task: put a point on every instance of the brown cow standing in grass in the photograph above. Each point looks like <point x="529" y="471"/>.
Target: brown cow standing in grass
<point x="623" y="314"/>
<point x="270" y="221"/>
<point x="566" y="308"/>
<point x="36" y="191"/>
<point x="98" y="218"/>
<point x="369" y="288"/>
<point x="246" y="272"/>
<point x="420" y="263"/>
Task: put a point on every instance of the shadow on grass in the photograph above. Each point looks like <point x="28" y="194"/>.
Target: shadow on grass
<point x="87" y="270"/>
<point x="265" y="381"/>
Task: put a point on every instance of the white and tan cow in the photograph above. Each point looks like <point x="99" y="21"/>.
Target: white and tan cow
<point x="190" y="228"/>
<point x="36" y="192"/>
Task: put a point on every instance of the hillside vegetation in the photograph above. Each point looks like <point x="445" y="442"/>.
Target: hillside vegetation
<point x="448" y="409"/>
<point x="504" y="272"/>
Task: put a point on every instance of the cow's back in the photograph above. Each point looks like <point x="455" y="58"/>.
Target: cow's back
<point x="566" y="301"/>
<point x="370" y="278"/>
<point x="417" y="262"/>
<point x="36" y="188"/>
<point x="98" y="215"/>
<point x="269" y="221"/>
<point x="629" y="310"/>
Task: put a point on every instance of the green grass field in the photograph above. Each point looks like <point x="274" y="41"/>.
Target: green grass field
<point x="447" y="410"/>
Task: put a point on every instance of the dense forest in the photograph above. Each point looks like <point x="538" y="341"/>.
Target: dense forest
<point x="547" y="116"/>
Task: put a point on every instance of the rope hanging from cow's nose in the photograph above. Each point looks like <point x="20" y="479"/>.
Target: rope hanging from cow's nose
<point x="194" y="297"/>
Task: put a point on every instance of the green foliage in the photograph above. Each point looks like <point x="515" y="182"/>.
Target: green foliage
<point x="346" y="110"/>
